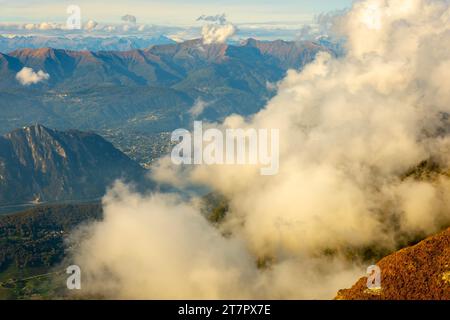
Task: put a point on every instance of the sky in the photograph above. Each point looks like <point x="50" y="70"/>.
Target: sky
<point x="169" y="12"/>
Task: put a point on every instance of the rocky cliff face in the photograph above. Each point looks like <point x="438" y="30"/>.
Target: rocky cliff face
<point x="40" y="164"/>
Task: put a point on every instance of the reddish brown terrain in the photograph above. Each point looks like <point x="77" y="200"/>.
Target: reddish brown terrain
<point x="421" y="272"/>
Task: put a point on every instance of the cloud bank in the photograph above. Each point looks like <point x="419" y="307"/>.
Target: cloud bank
<point x="352" y="132"/>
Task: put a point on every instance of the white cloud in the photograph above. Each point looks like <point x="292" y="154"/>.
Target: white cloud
<point x="90" y="25"/>
<point x="46" y="26"/>
<point x="219" y="18"/>
<point x="129" y="18"/>
<point x="28" y="76"/>
<point x="217" y="33"/>
<point x="110" y="28"/>
<point x="198" y="108"/>
<point x="29" y="26"/>
<point x="43" y="26"/>
<point x="161" y="247"/>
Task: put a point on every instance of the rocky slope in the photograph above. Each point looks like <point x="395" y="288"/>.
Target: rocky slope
<point x="420" y="272"/>
<point x="40" y="164"/>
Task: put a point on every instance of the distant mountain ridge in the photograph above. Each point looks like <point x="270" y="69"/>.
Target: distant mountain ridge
<point x="91" y="43"/>
<point x="159" y="65"/>
<point x="290" y="55"/>
<point x="146" y="93"/>
<point x="39" y="164"/>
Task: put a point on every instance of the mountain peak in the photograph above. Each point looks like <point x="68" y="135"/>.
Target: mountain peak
<point x="38" y="162"/>
<point x="40" y="53"/>
<point x="37" y="128"/>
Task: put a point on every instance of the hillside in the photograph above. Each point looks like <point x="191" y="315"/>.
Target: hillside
<point x="136" y="97"/>
<point x="420" y="272"/>
<point x="39" y="164"/>
<point x="32" y="243"/>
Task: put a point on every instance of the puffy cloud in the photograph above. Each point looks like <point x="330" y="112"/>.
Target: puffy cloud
<point x="43" y="26"/>
<point x="29" y="26"/>
<point x="217" y="33"/>
<point x="323" y="27"/>
<point x="167" y="250"/>
<point x="169" y="261"/>
<point x="90" y="25"/>
<point x="110" y="28"/>
<point x="198" y="108"/>
<point x="47" y="26"/>
<point x="351" y="128"/>
<point x="219" y="18"/>
<point x="28" y="76"/>
<point x="129" y="18"/>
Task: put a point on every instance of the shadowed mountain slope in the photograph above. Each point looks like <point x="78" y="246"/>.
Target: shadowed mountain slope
<point x="40" y="164"/>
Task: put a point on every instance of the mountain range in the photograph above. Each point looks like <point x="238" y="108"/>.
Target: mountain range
<point x="133" y="98"/>
<point x="145" y="93"/>
<point x="162" y="65"/>
<point x="91" y="43"/>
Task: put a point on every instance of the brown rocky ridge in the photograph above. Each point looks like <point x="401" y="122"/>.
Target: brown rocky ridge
<point x="420" y="272"/>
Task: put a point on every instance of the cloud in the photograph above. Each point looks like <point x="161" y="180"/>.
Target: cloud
<point x="142" y="27"/>
<point x="43" y="26"/>
<point x="217" y="33"/>
<point x="172" y="267"/>
<point x="29" y="26"/>
<point x="167" y="250"/>
<point x="198" y="108"/>
<point x="90" y="25"/>
<point x="110" y="28"/>
<point x="89" y="28"/>
<point x="129" y="18"/>
<point x="219" y="18"/>
<point x="324" y="25"/>
<point x="27" y="76"/>
<point x="47" y="26"/>
<point x="351" y="129"/>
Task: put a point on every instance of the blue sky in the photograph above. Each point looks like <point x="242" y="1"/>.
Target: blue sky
<point x="173" y="12"/>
